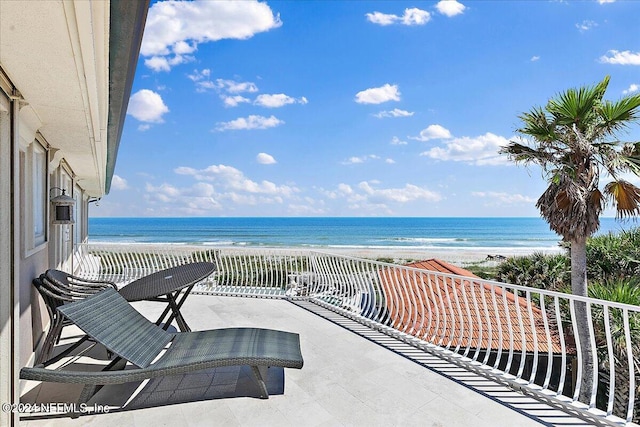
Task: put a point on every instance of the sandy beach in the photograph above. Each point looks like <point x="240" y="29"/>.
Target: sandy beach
<point x="456" y="256"/>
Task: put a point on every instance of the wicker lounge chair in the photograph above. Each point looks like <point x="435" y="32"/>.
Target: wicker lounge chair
<point x="58" y="288"/>
<point x="110" y="320"/>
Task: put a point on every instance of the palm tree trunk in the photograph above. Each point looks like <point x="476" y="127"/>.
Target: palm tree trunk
<point x="579" y="287"/>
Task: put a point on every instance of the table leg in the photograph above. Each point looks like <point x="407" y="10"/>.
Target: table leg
<point x="174" y="304"/>
<point x="164" y="314"/>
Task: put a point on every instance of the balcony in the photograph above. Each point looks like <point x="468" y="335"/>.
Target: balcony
<point x="383" y="345"/>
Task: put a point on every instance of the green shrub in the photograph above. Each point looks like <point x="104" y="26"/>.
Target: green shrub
<point x="613" y="255"/>
<point x="537" y="271"/>
<point x="610" y="257"/>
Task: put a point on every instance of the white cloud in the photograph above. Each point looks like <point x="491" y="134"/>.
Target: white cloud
<point x="535" y="58"/>
<point x="308" y="208"/>
<point x="390" y="161"/>
<point x="412" y="16"/>
<point x="606" y="1"/>
<point x="200" y="75"/>
<point x="119" y="183"/>
<point x="147" y="106"/>
<point x="251" y="122"/>
<point x="378" y="95"/>
<point x="233" y="182"/>
<point x="382" y="18"/>
<point x="157" y="63"/>
<point x="504" y="198"/>
<point x="405" y="194"/>
<point x="415" y="16"/>
<point x="396" y="112"/>
<point x="586" y="25"/>
<point x="481" y="150"/>
<point x="356" y="160"/>
<point x="199" y="199"/>
<point x="344" y="189"/>
<point x="368" y="196"/>
<point x="265" y="159"/>
<point x="277" y="100"/>
<point x="232" y="86"/>
<point x="397" y="141"/>
<point x="234" y="101"/>
<point x="182" y="48"/>
<point x="174" y="29"/>
<point x="433" y="132"/>
<point x="164" y="192"/>
<point x="450" y="7"/>
<point x="634" y="87"/>
<point x="621" y="58"/>
<point x="202" y="79"/>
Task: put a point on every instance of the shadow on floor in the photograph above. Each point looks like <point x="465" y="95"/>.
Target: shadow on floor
<point x="218" y="383"/>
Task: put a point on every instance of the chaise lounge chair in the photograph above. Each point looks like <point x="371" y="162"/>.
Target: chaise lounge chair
<point x="110" y="320"/>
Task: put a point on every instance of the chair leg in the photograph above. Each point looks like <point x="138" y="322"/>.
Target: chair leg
<point x="67" y="351"/>
<point x="91" y="389"/>
<point x="260" y="375"/>
<point x="52" y="337"/>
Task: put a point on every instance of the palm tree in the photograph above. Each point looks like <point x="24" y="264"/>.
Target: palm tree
<point x="573" y="139"/>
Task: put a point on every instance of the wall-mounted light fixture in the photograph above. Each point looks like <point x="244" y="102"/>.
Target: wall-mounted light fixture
<point x="62" y="207"/>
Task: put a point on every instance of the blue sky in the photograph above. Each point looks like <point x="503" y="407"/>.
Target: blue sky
<point x="354" y="108"/>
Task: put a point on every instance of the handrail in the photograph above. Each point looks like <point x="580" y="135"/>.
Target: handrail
<point x="522" y="336"/>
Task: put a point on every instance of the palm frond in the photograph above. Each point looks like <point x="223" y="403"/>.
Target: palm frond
<point x="571" y="210"/>
<point x="577" y="106"/>
<point x="521" y="153"/>
<point x="617" y="115"/>
<point x="626" y="197"/>
<point x="631" y="163"/>
<point x="538" y="126"/>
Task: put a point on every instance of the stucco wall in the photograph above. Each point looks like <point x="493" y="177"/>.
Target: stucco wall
<point x="33" y="314"/>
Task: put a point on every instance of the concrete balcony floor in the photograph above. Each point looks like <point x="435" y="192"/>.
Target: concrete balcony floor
<point x="352" y="377"/>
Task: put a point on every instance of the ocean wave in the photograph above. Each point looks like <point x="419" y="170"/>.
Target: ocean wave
<point x="488" y="249"/>
<point x="515" y="246"/>
<point x="218" y="243"/>
<point x="426" y="239"/>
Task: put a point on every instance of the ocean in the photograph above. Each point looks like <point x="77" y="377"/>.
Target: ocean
<point x="341" y="233"/>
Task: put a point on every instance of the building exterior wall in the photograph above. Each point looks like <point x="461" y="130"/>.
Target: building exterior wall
<point x="8" y="309"/>
<point x="31" y="173"/>
<point x="57" y="249"/>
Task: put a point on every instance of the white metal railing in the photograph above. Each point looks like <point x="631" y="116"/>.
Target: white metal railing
<point x="261" y="273"/>
<point x="526" y="337"/>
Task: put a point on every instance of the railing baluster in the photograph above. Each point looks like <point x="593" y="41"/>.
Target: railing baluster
<point x="563" y="345"/>
<point x="630" y="364"/>
<point x="422" y="310"/>
<point x="612" y="374"/>
<point x="487" y="318"/>
<point x="473" y="287"/>
<point x="534" y="329"/>
<point x="594" y="358"/>
<point x="523" y="336"/>
<point x="498" y="317"/>
<point x="578" y="341"/>
<point x="547" y="334"/>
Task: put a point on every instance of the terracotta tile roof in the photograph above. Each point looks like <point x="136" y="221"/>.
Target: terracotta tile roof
<point x="449" y="317"/>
